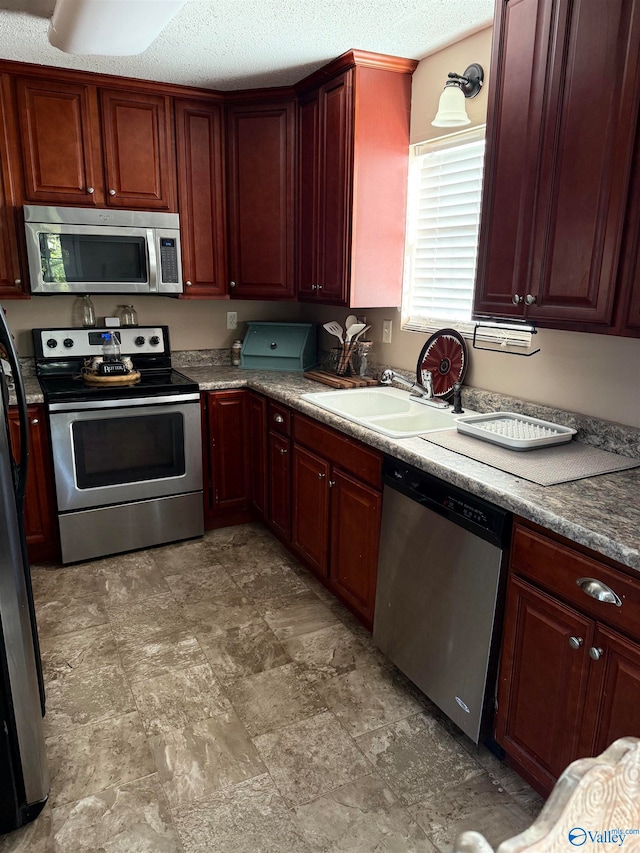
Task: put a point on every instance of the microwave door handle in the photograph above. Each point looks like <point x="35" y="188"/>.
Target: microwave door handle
<point x="152" y="249"/>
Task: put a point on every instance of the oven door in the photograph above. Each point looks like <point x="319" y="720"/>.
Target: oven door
<point x="126" y="451"/>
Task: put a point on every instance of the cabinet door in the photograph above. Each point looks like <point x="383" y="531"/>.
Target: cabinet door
<point x="565" y="86"/>
<point x="199" y="145"/>
<point x="138" y="150"/>
<point x="260" y="200"/>
<point x="258" y="452"/>
<point x="308" y="222"/>
<point x="355" y="535"/>
<point x="335" y="188"/>
<point x="11" y="282"/>
<point x="613" y="692"/>
<point x="228" y="447"/>
<point x="310" y="533"/>
<point x="593" y="88"/>
<point x="60" y="136"/>
<point x="542" y="682"/>
<point x="40" y="514"/>
<point x="280" y="484"/>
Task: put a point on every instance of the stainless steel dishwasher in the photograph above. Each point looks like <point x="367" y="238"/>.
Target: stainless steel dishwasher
<point x="439" y="589"/>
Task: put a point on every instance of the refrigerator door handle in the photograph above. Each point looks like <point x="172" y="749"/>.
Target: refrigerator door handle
<point x="22" y="465"/>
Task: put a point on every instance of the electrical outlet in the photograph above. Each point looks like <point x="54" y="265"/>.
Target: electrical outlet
<point x="386" y="331"/>
<point x="232" y="319"/>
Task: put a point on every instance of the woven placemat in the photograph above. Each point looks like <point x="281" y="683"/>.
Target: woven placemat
<point x="546" y="466"/>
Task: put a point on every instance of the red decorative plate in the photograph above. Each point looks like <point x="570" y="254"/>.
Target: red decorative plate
<point x="445" y="355"/>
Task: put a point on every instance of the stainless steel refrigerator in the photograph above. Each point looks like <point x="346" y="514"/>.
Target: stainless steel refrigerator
<point x="24" y="781"/>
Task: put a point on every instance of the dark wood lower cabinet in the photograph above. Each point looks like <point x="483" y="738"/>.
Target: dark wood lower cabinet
<point x="280" y="485"/>
<point x="336" y="512"/>
<point x="40" y="514"/>
<point x="569" y="683"/>
<point x="310" y="536"/>
<point x="257" y="412"/>
<point x="355" y="522"/>
<point x="227" y="484"/>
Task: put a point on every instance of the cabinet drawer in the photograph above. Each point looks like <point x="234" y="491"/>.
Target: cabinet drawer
<point x="558" y="567"/>
<point x="279" y="418"/>
<point x="347" y="453"/>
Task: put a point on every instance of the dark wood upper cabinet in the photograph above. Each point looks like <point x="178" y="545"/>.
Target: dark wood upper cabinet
<point x="561" y="127"/>
<point x="86" y="146"/>
<point x="260" y="186"/>
<point x="199" y="145"/>
<point x="11" y="279"/>
<point x="352" y="181"/>
<point x="139" y="151"/>
<point x="60" y="138"/>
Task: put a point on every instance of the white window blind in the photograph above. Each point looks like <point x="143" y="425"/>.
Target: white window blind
<point x="443" y="217"/>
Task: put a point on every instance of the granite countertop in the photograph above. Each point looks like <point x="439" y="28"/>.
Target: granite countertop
<point x="602" y="513"/>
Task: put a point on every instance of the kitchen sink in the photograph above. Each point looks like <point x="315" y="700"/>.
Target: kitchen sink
<point x="390" y="411"/>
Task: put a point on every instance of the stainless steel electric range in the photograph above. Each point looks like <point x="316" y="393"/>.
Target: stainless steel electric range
<point x="127" y="455"/>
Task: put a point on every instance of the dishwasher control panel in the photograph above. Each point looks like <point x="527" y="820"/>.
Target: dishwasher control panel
<point x="487" y="520"/>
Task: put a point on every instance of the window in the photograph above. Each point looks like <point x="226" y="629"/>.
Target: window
<point x="443" y="217"/>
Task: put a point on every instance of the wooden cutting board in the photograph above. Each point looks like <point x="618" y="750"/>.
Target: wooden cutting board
<point x="336" y="381"/>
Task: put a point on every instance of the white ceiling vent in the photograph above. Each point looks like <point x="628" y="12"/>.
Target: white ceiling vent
<point x="109" y="27"/>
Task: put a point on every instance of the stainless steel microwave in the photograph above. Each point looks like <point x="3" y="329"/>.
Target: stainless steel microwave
<point x="86" y="250"/>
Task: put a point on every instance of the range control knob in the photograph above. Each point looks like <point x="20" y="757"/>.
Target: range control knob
<point x="154" y="340"/>
<point x="139" y="341"/>
<point x="52" y="343"/>
<point x="68" y="342"/>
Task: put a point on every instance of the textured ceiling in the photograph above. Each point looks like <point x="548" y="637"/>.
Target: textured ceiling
<point x="235" y="44"/>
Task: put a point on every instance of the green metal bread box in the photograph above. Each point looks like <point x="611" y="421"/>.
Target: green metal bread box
<point x="279" y="346"/>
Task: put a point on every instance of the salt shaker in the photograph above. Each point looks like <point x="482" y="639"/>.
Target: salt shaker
<point x="236" y="351"/>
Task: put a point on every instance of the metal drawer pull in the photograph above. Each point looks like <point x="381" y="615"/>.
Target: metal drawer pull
<point x="575" y="642"/>
<point x="598" y="590"/>
<point x="595" y="653"/>
<point x="278" y="419"/>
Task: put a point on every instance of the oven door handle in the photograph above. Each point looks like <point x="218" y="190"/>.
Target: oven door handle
<point x="124" y="403"/>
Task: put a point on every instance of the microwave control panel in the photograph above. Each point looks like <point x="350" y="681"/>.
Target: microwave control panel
<point x="169" y="260"/>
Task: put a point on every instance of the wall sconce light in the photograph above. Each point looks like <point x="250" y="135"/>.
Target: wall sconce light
<point x="451" y="108"/>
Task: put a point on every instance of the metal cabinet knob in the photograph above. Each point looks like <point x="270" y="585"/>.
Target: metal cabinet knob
<point x="232" y="284"/>
<point x="598" y="590"/>
<point x="319" y="286"/>
<point x="283" y="450"/>
<point x="278" y="419"/>
<point x="112" y="192"/>
<point x="575" y="642"/>
<point x="314" y="287"/>
<point x="90" y="190"/>
<point x="595" y="653"/>
<point x="321" y="476"/>
<point x="187" y="284"/>
<point x="17" y="281"/>
<point x="35" y="421"/>
<point x="530" y="299"/>
<point x="332" y="483"/>
<point x="517" y="300"/>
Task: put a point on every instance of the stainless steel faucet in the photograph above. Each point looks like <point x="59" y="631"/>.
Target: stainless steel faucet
<point x="422" y="393"/>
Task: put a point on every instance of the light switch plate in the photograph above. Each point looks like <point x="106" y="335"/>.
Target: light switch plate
<point x="386" y="331"/>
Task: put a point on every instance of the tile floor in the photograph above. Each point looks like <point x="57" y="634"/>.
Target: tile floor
<point x="212" y="697"/>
